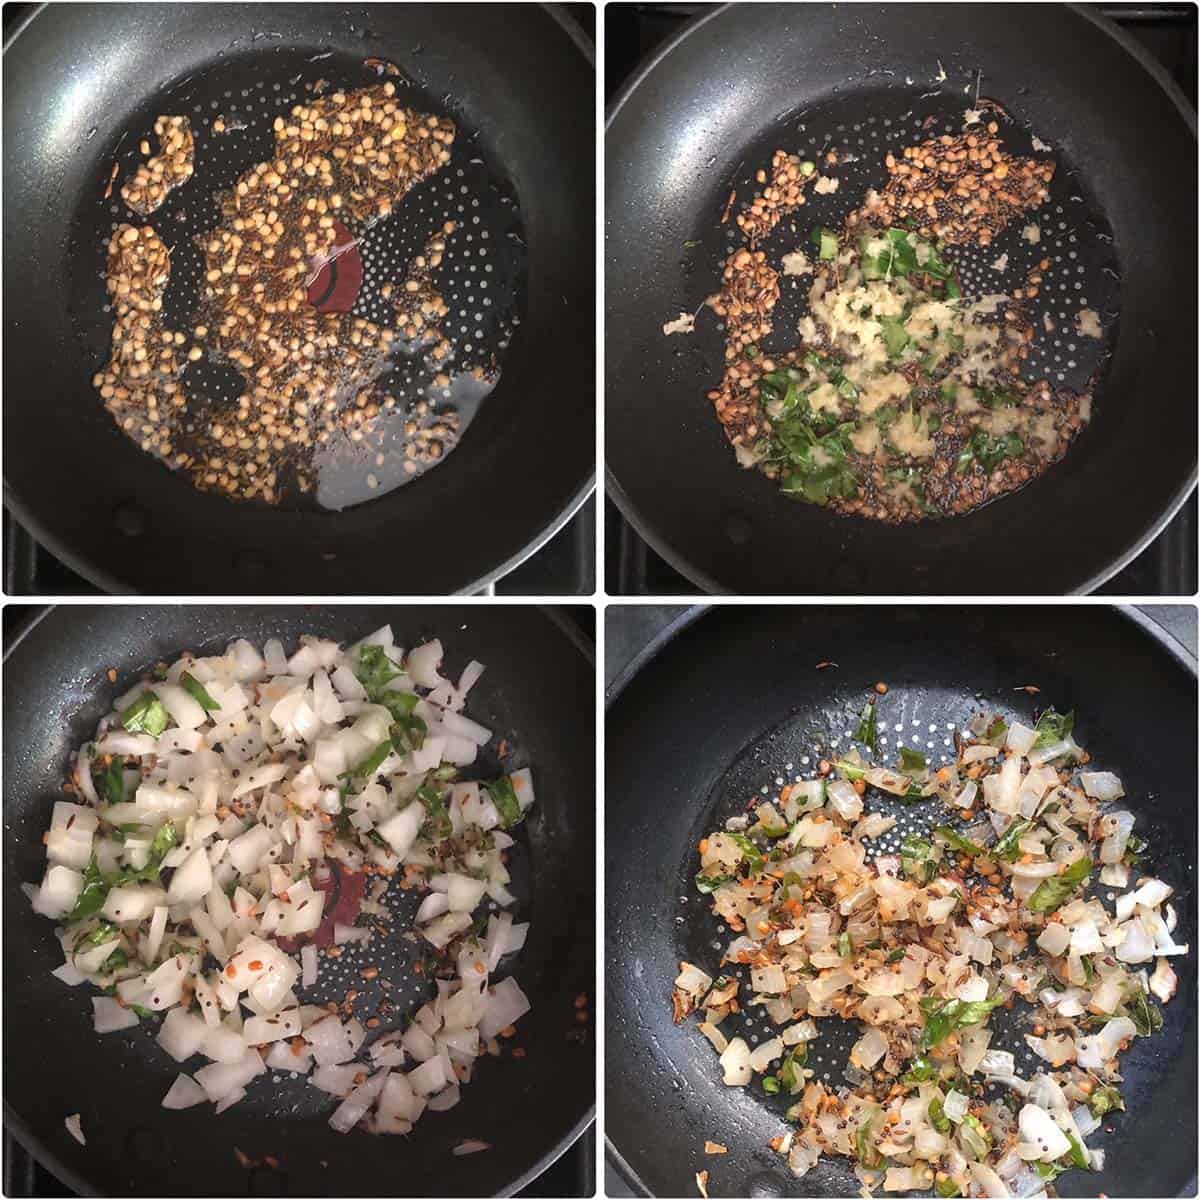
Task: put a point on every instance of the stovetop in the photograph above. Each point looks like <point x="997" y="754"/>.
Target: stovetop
<point x="1168" y="566"/>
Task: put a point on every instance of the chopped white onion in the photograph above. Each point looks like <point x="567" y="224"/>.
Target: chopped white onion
<point x="355" y="1106"/>
<point x="735" y="1062"/>
<point x="185" y="1092"/>
<point x="110" y="1017"/>
<point x="248" y="787"/>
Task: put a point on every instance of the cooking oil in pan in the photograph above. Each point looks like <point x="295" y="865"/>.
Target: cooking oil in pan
<point x="425" y="406"/>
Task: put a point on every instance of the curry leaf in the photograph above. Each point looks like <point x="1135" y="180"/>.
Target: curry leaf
<point x="146" y="715"/>
<point x="752" y="854"/>
<point x="1144" y="1015"/>
<point x="114" y="780"/>
<point x="1077" y="1155"/>
<point x="916" y="859"/>
<point x="1104" y="1099"/>
<point x="942" y="1019"/>
<point x="435" y="806"/>
<point x="371" y="763"/>
<point x="920" y="1070"/>
<point x="1051" y="894"/>
<point x="1053" y="727"/>
<point x="374" y="670"/>
<point x="1007" y="847"/>
<point x="955" y="839"/>
<point x="868" y="1155"/>
<point x="867" y="730"/>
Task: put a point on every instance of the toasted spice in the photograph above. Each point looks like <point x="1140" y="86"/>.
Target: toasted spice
<point x="342" y="160"/>
<point x="174" y="164"/>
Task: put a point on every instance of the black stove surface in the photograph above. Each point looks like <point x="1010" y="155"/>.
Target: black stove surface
<point x="1168" y="566"/>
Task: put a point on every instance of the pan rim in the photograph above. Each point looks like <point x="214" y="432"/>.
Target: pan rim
<point x="1124" y="557"/>
<point x="585" y="645"/>
<point x="692" y="613"/>
<point x="558" y="11"/>
<point x="548" y="530"/>
<point x="23" y="1131"/>
<point x="1139" y="620"/>
<point x="115" y="587"/>
<point x="1126" y="41"/>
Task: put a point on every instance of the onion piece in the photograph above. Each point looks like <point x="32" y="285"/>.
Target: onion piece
<point x="1101" y="785"/>
<point x="735" y="1063"/>
<point x="110" y="1017"/>
<point x="505" y="1006"/>
<point x="1112" y="849"/>
<point x="1041" y="1138"/>
<point x="869" y="1049"/>
<point x="58" y="893"/>
<point x="185" y="1092"/>
<point x="763" y="1055"/>
<point x="430" y="1077"/>
<point x="222" y="1079"/>
<point x="470" y="1146"/>
<point x="355" y="1106"/>
<point x="955" y="1106"/>
<point x="182" y="1034"/>
<point x="1020" y="738"/>
<point x="989" y="1183"/>
<point x="308" y="962"/>
<point x="1164" y="981"/>
<point x="329" y="1041"/>
<point x="336" y="1080"/>
<point x="1093" y="1051"/>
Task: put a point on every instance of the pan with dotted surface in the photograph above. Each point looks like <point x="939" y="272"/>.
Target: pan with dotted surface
<point x="537" y="692"/>
<point x="705" y="114"/>
<point x="730" y="704"/>
<point x="84" y="85"/>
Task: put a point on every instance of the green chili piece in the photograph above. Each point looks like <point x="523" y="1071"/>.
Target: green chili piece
<point x="198" y="692"/>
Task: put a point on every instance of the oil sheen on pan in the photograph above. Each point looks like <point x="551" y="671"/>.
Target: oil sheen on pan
<point x="914" y="308"/>
<point x="312" y="278"/>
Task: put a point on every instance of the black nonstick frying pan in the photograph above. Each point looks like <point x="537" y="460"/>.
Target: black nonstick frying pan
<point x="697" y="121"/>
<point x="537" y="691"/>
<point x="720" y="705"/>
<point x="84" y="82"/>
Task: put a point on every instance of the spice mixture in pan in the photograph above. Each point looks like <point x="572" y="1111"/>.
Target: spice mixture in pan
<point x="309" y="378"/>
<point x="903" y="398"/>
<point x="173" y="165"/>
<point x="240" y="822"/>
<point x="992" y="992"/>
